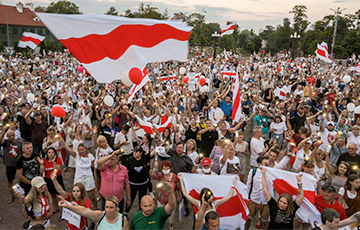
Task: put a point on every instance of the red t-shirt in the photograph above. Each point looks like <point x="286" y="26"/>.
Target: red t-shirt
<point x="321" y="205"/>
<point x="82" y="221"/>
<point x="49" y="167"/>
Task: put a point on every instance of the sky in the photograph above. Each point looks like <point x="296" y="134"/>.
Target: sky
<point x="248" y="14"/>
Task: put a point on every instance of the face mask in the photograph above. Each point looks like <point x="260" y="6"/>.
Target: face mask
<point x="206" y="170"/>
<point x="166" y="171"/>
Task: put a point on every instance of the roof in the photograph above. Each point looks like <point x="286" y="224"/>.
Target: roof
<point x="20" y="19"/>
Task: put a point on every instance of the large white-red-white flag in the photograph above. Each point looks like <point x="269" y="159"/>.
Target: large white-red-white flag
<point x="110" y="45"/>
<point x="167" y="124"/>
<point x="355" y="67"/>
<point x="228" y="29"/>
<point x="285" y="182"/>
<point x="233" y="213"/>
<point x="135" y="88"/>
<point x="145" y="125"/>
<point x="322" y="52"/>
<point x="31" y="40"/>
<point x="236" y="109"/>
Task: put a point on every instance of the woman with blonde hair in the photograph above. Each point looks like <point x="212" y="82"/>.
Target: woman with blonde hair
<point x="191" y="148"/>
<point x="38" y="203"/>
<point x="102" y="149"/>
<point x="320" y="169"/>
<point x="84" y="162"/>
<point x="53" y="140"/>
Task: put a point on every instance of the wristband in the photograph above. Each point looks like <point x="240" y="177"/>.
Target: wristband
<point x="128" y="199"/>
<point x="232" y="186"/>
<point x="299" y="184"/>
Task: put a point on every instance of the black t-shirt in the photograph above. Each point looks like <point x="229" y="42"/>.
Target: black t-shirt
<point x="138" y="170"/>
<point x="208" y="141"/>
<point x="30" y="166"/>
<point x="191" y="133"/>
<point x="279" y="219"/>
<point x="24" y="128"/>
<point x="347" y="158"/>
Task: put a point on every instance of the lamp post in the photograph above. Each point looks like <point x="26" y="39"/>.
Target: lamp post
<point x="337" y="13"/>
<point x="215" y="35"/>
<point x="294" y="36"/>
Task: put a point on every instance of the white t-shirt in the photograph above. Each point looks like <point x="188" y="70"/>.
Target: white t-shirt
<point x="100" y="153"/>
<point x="349" y="194"/>
<point x="230" y="167"/>
<point x="120" y="138"/>
<point x="326" y="137"/>
<point x="279" y="127"/>
<point x="299" y="158"/>
<point x="351" y="139"/>
<point x="83" y="165"/>
<point x="256" y="147"/>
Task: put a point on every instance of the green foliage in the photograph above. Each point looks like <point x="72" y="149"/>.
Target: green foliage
<point x="2" y="47"/>
<point x="351" y="43"/>
<point x="227" y="42"/>
<point x="145" y="11"/>
<point x="300" y="18"/>
<point x="63" y="7"/>
<point x="112" y="11"/>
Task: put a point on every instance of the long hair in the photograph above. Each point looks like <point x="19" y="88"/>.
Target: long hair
<point x="82" y="197"/>
<point x="351" y="178"/>
<point x="347" y="168"/>
<point x="204" y="190"/>
<point x="84" y="146"/>
<point x="34" y="197"/>
<point x="193" y="141"/>
<point x="290" y="206"/>
<point x="148" y="136"/>
<point x="56" y="154"/>
<point x="168" y="138"/>
<point x="102" y="138"/>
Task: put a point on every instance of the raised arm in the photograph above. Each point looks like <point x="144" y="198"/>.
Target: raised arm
<point x="265" y="185"/>
<point x="170" y="206"/>
<point x="217" y="203"/>
<point x="299" y="199"/>
<point x="58" y="187"/>
<point x="185" y="194"/>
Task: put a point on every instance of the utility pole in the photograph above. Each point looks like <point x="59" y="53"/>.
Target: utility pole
<point x="337" y="13"/>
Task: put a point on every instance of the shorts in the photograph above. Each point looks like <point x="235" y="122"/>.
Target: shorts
<point x="10" y="173"/>
<point x="87" y="181"/>
<point x="45" y="224"/>
<point x="71" y="162"/>
<point x="263" y="208"/>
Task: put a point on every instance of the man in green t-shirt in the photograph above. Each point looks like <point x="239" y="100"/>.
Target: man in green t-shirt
<point x="154" y="218"/>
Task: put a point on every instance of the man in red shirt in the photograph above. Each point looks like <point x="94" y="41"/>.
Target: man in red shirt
<point x="114" y="179"/>
<point x="327" y="200"/>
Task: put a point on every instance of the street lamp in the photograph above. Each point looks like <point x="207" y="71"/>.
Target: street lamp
<point x="215" y="35"/>
<point x="294" y="36"/>
<point x="337" y="13"/>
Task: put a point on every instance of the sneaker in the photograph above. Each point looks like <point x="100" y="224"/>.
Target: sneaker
<point x="187" y="212"/>
<point x="152" y="195"/>
<point x="26" y="224"/>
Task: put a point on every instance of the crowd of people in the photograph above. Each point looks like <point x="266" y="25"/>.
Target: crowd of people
<point x="296" y="115"/>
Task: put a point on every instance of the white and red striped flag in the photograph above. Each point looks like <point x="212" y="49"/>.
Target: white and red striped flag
<point x="285" y="182"/>
<point x="109" y="45"/>
<point x="322" y="52"/>
<point x="355" y="67"/>
<point x="168" y="78"/>
<point x="31" y="40"/>
<point x="146" y="126"/>
<point x="234" y="212"/>
<point x="228" y="73"/>
<point x="167" y="124"/>
<point x="134" y="88"/>
<point x="228" y="29"/>
<point x="236" y="109"/>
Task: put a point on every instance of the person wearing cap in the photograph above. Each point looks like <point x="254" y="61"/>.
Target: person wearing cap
<point x="206" y="166"/>
<point x="38" y="129"/>
<point x="327" y="200"/>
<point x="38" y="203"/>
<point x="328" y="134"/>
<point x="138" y="170"/>
<point x="353" y="136"/>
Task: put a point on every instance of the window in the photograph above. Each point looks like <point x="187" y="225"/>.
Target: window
<point x="2" y="30"/>
<point x="15" y="31"/>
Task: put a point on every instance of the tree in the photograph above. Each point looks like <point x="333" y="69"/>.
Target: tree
<point x="42" y="8"/>
<point x="227" y="42"/>
<point x="146" y="11"/>
<point x="300" y="18"/>
<point x="180" y="16"/>
<point x="351" y="43"/>
<point x="112" y="11"/>
<point x="63" y="7"/>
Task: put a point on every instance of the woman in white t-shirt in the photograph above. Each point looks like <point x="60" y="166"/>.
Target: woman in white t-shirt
<point x="278" y="127"/>
<point x="191" y="150"/>
<point x="84" y="162"/>
<point x="229" y="163"/>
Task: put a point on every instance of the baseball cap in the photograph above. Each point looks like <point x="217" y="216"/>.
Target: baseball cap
<point x="38" y="181"/>
<point x="206" y="161"/>
<point x="37" y="113"/>
<point x="331" y="123"/>
<point x="329" y="188"/>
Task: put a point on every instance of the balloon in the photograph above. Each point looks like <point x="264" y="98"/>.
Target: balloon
<point x="279" y="69"/>
<point x="182" y="70"/>
<point x="346" y="79"/>
<point x="301" y="66"/>
<point x="350" y="107"/>
<point x="135" y="75"/>
<point x="202" y="81"/>
<point x="357" y="109"/>
<point x="125" y="78"/>
<point x="30" y="97"/>
<point x="108" y="100"/>
<point x="58" y="111"/>
<point x="80" y="69"/>
<point x="219" y="114"/>
<point x="288" y="60"/>
<point x="197" y="53"/>
<point x="311" y="69"/>
<point x="185" y="80"/>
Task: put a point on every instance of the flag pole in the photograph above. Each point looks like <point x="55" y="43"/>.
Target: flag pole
<point x="152" y="90"/>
